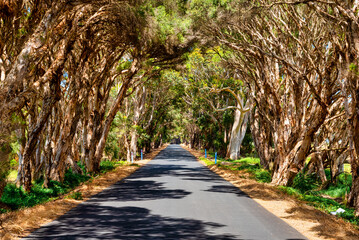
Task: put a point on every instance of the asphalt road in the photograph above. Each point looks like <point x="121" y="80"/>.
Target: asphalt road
<point x="172" y="197"/>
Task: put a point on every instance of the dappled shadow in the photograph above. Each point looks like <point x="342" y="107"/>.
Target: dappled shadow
<point x="138" y="190"/>
<point x="227" y="189"/>
<point x="103" y="222"/>
<point x="327" y="224"/>
<point x="176" y="170"/>
<point x="261" y="191"/>
<point x="142" y="207"/>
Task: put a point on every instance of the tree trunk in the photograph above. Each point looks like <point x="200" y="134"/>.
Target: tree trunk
<point x="111" y="116"/>
<point x="139" y="103"/>
<point x="353" y="122"/>
<point x="20" y="134"/>
<point x="239" y="129"/>
<point x="261" y="139"/>
<point x="5" y="150"/>
<point x="66" y="140"/>
<point x="50" y="100"/>
<point x="20" y="68"/>
<point x="290" y="160"/>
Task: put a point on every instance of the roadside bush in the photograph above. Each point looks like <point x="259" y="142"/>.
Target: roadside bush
<point x="305" y="183"/>
<point x="263" y="176"/>
<point x="106" y="166"/>
<point x="16" y="198"/>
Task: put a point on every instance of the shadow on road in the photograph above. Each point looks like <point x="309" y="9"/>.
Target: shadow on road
<point x="103" y="222"/>
<point x="138" y="190"/>
<point x="227" y="189"/>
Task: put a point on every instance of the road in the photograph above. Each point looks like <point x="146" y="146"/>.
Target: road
<point x="172" y="197"/>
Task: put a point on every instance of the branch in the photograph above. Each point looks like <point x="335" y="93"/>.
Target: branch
<point x="314" y="91"/>
<point x="222" y="109"/>
<point x="335" y="117"/>
<point x="238" y="99"/>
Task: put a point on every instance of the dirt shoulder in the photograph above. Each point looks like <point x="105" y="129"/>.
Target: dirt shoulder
<point x="17" y="224"/>
<point x="312" y="223"/>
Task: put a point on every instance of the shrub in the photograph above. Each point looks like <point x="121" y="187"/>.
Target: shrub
<point x="305" y="183"/>
<point x="263" y="176"/>
<point x="16" y="198"/>
<point x="106" y="166"/>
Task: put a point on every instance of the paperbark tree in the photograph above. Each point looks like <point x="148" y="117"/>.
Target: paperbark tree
<point x="239" y="128"/>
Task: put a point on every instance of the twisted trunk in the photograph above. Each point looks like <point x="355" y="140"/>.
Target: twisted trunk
<point x="291" y="154"/>
<point x="111" y="116"/>
<point x="51" y="99"/>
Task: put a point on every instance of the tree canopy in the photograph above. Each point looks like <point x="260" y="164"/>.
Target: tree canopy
<point x="83" y="81"/>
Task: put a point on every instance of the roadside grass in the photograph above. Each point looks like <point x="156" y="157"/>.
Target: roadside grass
<point x="306" y="188"/>
<point x="16" y="198"/>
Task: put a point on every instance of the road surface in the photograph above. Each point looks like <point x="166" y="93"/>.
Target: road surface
<point x="172" y="197"/>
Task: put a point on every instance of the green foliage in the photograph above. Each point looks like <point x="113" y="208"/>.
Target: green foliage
<point x="206" y="161"/>
<point x="106" y="166"/>
<point x="247" y="147"/>
<point x="112" y="148"/>
<point x="73" y="180"/>
<point x="263" y="176"/>
<point x="289" y="190"/>
<point x="76" y="196"/>
<point x="341" y="188"/>
<point x="304" y="183"/>
<point x="124" y="64"/>
<point x="322" y="203"/>
<point x="303" y="188"/>
<point x="354" y="68"/>
<point x="249" y="160"/>
<point x="14" y="164"/>
<point x="16" y="198"/>
<point x="250" y="165"/>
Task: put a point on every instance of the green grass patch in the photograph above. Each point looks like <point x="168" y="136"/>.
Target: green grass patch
<point x="248" y="160"/>
<point x="106" y="166"/>
<point x="323" y="204"/>
<point x="249" y="164"/>
<point x="341" y="188"/>
<point x="262" y="175"/>
<point x="206" y="161"/>
<point x="304" y="183"/>
<point x="17" y="198"/>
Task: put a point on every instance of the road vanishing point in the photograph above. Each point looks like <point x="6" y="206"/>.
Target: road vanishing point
<point x="172" y="197"/>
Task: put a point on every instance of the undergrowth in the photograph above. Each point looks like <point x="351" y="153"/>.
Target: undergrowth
<point x="305" y="187"/>
<point x="16" y="198"/>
